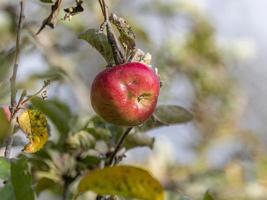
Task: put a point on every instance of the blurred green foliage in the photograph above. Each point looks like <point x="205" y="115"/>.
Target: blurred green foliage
<point x="81" y="141"/>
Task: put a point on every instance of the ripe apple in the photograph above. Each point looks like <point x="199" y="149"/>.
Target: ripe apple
<point x="125" y="94"/>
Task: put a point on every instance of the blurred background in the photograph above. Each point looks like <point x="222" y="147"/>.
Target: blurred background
<point x="211" y="58"/>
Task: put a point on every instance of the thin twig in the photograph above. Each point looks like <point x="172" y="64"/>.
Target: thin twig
<point x="46" y="83"/>
<point x="118" y="146"/>
<point x="22" y="100"/>
<point x="13" y="78"/>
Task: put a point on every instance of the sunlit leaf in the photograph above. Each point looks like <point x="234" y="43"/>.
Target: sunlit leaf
<point x="172" y="114"/>
<point x="21" y="179"/>
<point x="34" y="125"/>
<point x="56" y="111"/>
<point x="208" y="196"/>
<point x="99" y="41"/>
<point x="124" y="181"/>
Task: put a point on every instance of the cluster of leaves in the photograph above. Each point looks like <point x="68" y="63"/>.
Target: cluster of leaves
<point x="87" y="148"/>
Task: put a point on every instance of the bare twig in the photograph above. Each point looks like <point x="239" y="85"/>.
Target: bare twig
<point x="51" y="20"/>
<point x="22" y="99"/>
<point x="46" y="83"/>
<point x="13" y="78"/>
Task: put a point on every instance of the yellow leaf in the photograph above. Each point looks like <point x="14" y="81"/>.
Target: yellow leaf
<point x="124" y="181"/>
<point x="34" y="125"/>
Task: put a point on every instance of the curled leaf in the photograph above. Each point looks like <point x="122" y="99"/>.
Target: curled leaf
<point x="34" y="124"/>
<point x="51" y="20"/>
<point x="127" y="36"/>
<point x="124" y="181"/>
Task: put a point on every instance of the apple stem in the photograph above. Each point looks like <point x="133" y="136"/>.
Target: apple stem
<point x="112" y="39"/>
<point x="118" y="146"/>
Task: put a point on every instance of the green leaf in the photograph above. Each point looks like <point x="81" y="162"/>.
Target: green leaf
<point x="21" y="179"/>
<point x="90" y="160"/>
<point x="172" y="114"/>
<point x="139" y="140"/>
<point x="4" y="168"/>
<point x="7" y="192"/>
<point x="99" y="41"/>
<point x="56" y="111"/>
<point x="208" y="196"/>
<point x="124" y="181"/>
<point x="166" y="115"/>
<point x="46" y="183"/>
<point x="102" y="127"/>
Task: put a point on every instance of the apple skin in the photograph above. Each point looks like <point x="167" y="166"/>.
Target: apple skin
<point x="125" y="94"/>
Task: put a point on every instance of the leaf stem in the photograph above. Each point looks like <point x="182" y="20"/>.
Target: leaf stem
<point x="13" y="78"/>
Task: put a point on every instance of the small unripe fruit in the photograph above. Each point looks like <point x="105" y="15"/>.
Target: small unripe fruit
<point x="126" y="94"/>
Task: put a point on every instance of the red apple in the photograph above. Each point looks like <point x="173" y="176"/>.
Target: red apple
<point x="126" y="94"/>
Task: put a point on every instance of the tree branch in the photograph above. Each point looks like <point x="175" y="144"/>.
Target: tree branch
<point x="13" y="78"/>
